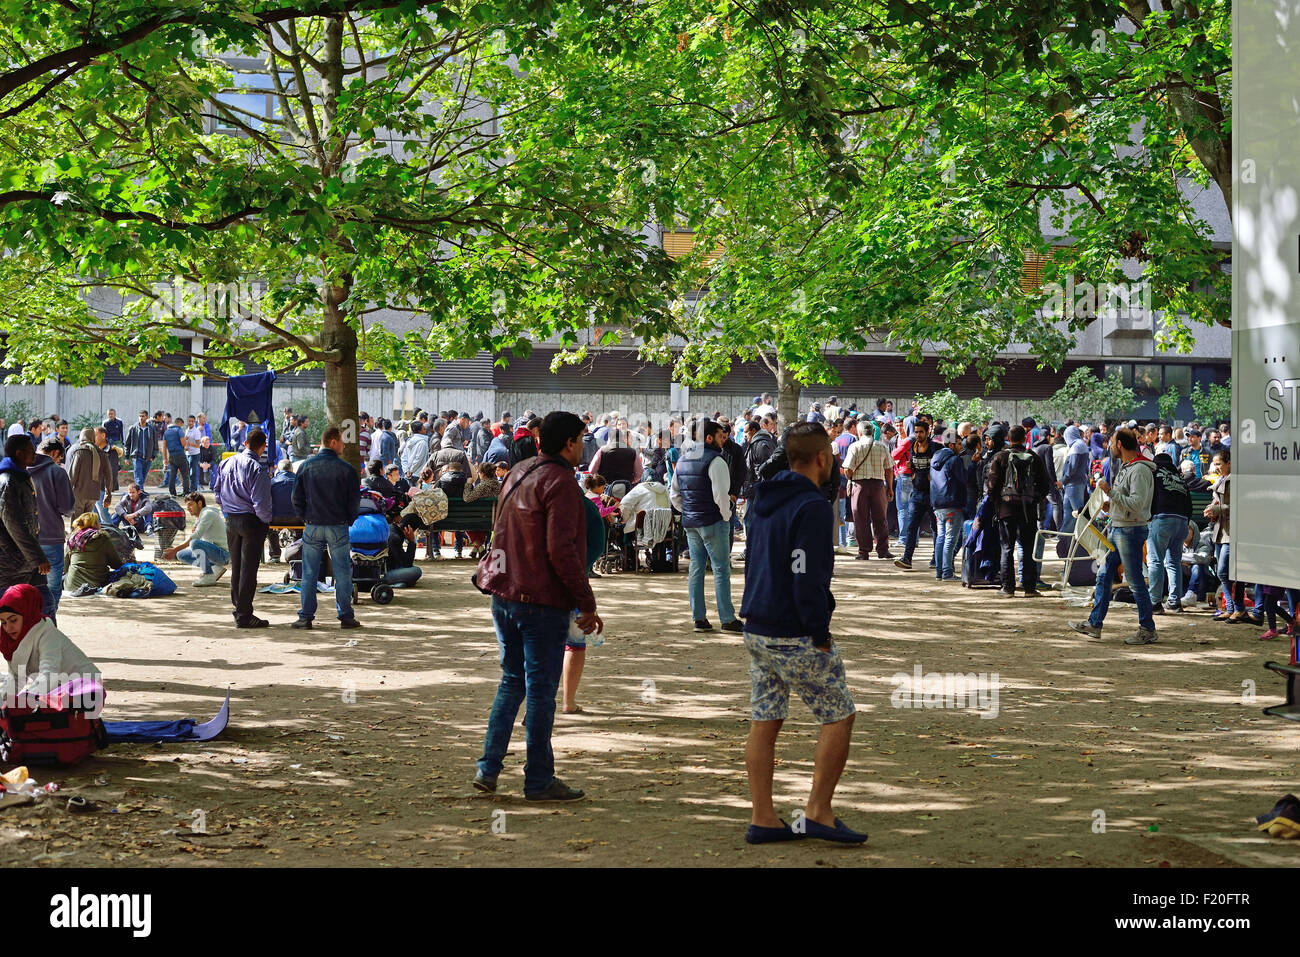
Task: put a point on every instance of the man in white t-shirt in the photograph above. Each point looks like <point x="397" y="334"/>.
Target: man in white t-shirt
<point x="765" y="406"/>
<point x="207" y="548"/>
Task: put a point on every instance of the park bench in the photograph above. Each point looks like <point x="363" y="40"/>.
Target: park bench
<point x="1290" y="710"/>
<point x="463" y="516"/>
<point x="1200" y="502"/>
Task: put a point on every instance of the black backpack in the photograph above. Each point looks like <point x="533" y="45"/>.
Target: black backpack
<point x="1018" y="485"/>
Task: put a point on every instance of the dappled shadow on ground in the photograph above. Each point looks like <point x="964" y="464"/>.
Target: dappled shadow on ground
<point x="356" y="747"/>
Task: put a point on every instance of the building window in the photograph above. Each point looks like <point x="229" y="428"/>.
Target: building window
<point x="1180" y="376"/>
<point x="679" y="243"/>
<point x="1148" y="380"/>
<point x="1123" y="370"/>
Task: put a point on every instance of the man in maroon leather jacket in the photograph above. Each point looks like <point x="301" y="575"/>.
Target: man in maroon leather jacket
<point x="536" y="571"/>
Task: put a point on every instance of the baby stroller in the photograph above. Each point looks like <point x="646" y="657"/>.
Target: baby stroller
<point x="368" y="538"/>
<point x="368" y="546"/>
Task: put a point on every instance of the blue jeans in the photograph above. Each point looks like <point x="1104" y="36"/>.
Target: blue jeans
<point x="841" y="507"/>
<point x="177" y="465"/>
<point x="1165" y="557"/>
<point x="315" y="539"/>
<point x="54" y="580"/>
<point x="140" y="469"/>
<point x="1221" y="556"/>
<point x="711" y="540"/>
<point x="194" y="471"/>
<point x="917" y="506"/>
<point x="1198" y="583"/>
<point x="531" y="641"/>
<point x="903" y="501"/>
<point x="203" y="555"/>
<point x="1128" y="544"/>
<point x="948" y="525"/>
<point x="1074" y="498"/>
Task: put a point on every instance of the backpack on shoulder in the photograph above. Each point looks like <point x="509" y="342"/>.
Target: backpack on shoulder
<point x="1018" y="485"/>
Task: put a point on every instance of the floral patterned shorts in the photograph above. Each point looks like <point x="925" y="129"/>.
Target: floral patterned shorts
<point x="778" y="665"/>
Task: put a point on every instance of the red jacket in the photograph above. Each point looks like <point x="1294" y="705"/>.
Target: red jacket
<point x="539" y="543"/>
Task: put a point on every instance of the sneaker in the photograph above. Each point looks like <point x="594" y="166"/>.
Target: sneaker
<point x="205" y="580"/>
<point x="484" y="783"/>
<point x="1269" y="635"/>
<point x="302" y="623"/>
<point x="1254" y="619"/>
<point x="1003" y="593"/>
<point x="349" y="623"/>
<point x="735" y="625"/>
<point x="1237" y="617"/>
<point x="1157" y="609"/>
<point x="557" y="790"/>
<point x="252" y="623"/>
<point x="1085" y="628"/>
<point x="1033" y="593"/>
<point x="899" y="563"/>
<point x="217" y="572"/>
<point x="702" y="624"/>
<point x="1174" y="609"/>
<point x="1143" y="636"/>
<point x="862" y="558"/>
<point x="1189" y="599"/>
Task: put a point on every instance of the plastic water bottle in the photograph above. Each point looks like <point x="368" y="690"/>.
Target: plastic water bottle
<point x="576" y="634"/>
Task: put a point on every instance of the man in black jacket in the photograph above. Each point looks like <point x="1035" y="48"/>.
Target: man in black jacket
<point x="1017" y="481"/>
<point x="734" y="455"/>
<point x="327" y="493"/>
<point x="22" y="562"/>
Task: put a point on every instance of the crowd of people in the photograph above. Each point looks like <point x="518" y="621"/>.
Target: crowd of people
<point x="866" y="484"/>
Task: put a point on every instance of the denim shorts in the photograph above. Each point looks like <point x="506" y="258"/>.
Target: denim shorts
<point x="777" y="665"/>
<point x="573" y="638"/>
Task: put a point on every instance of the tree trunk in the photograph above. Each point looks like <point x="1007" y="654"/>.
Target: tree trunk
<point x="787" y="396"/>
<point x="341" y="401"/>
<point x="338" y="338"/>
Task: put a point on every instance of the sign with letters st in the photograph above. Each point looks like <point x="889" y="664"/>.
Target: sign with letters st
<point x="1264" y="520"/>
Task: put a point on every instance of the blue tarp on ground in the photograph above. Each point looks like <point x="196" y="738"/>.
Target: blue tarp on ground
<point x="186" y="729"/>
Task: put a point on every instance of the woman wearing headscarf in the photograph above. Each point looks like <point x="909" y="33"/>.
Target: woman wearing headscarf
<point x="1074" y="476"/>
<point x="90" y="556"/>
<point x="40" y="658"/>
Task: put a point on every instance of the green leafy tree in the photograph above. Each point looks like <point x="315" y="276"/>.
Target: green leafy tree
<point x="417" y="158"/>
<point x="1167" y="404"/>
<point x="948" y="407"/>
<point x="1086" y="397"/>
<point x="1212" y="405"/>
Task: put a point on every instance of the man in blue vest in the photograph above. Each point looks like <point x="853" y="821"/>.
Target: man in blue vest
<point x="701" y="491"/>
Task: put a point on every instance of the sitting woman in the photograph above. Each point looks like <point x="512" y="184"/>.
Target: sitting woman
<point x="41" y="658"/>
<point x="89" y="558"/>
<point x="486" y="486"/>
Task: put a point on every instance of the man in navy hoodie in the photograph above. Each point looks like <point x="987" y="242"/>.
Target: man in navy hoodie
<point x="787" y="610"/>
<point x="948" y="498"/>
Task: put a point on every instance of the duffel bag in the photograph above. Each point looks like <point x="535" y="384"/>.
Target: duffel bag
<point x="162" y="585"/>
<point x="47" y="737"/>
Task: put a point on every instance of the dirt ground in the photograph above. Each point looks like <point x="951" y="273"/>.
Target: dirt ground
<point x="357" y="747"/>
